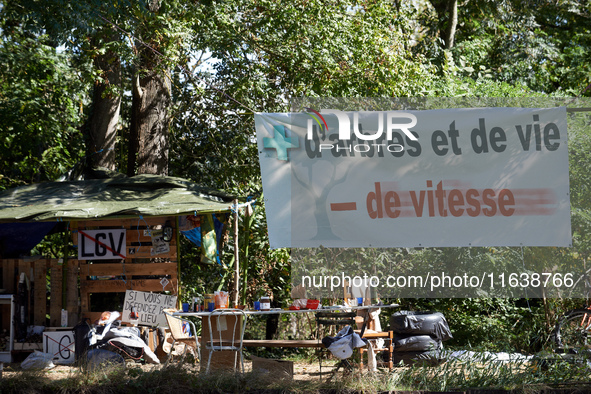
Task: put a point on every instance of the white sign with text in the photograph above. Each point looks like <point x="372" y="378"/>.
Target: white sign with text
<point x="149" y="307"/>
<point x="469" y="177"/>
<point x="101" y="244"/>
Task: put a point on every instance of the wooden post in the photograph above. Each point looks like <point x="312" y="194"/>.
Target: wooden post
<point x="72" y="296"/>
<point x="236" y="258"/>
<point x="55" y="305"/>
<point x="40" y="297"/>
<point x="177" y="235"/>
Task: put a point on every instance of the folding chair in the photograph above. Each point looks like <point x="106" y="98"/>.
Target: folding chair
<point x="326" y="323"/>
<point x="224" y="336"/>
<point x="180" y="335"/>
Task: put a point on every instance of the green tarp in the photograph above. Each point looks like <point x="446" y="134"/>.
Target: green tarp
<point x="141" y="195"/>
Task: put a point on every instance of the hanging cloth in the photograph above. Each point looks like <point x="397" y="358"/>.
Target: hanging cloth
<point x="208" y="240"/>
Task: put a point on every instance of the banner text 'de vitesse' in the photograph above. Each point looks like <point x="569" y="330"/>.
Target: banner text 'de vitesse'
<point x="499" y="175"/>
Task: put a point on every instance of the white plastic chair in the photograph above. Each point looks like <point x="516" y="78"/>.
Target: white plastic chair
<point x="227" y="337"/>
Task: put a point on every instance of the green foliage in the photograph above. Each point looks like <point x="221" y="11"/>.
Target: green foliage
<point x="484" y="371"/>
<point x="41" y="96"/>
<point x="541" y="44"/>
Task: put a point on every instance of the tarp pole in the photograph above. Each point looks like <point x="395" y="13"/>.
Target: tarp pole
<point x="177" y="234"/>
<point x="236" y="256"/>
<point x="67" y="238"/>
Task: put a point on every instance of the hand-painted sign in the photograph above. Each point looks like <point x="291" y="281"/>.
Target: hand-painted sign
<point x="149" y="307"/>
<point x="468" y="177"/>
<point x="159" y="246"/>
<point x="101" y="244"/>
<point x="61" y="345"/>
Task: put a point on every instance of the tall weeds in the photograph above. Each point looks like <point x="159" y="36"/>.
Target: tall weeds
<point x="522" y="375"/>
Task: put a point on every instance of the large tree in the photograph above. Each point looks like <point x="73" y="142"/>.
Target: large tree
<point x="132" y="46"/>
<point x="104" y="113"/>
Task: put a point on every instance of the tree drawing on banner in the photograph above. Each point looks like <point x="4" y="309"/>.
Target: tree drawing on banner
<point x="319" y="178"/>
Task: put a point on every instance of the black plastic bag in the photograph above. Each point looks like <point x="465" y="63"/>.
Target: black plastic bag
<point x="415" y="343"/>
<point x="421" y="323"/>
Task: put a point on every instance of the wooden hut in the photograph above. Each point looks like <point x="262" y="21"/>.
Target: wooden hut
<point x="124" y="234"/>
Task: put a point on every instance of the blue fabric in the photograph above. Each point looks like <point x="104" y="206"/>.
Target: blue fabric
<point x="218" y="226"/>
<point x="194" y="235"/>
<point x="17" y="239"/>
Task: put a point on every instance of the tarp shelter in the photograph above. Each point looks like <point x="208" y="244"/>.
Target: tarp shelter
<point x="141" y="195"/>
<point x="137" y="204"/>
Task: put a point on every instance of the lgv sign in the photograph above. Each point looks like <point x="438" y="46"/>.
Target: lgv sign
<point x="101" y="244"/>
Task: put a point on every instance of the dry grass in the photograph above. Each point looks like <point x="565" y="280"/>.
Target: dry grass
<point x="515" y="377"/>
<point x="174" y="379"/>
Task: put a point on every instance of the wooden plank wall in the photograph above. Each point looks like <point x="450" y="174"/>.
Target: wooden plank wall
<point x="37" y="272"/>
<point x="140" y="270"/>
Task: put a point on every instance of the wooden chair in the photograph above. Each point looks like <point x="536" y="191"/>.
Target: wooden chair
<point x="175" y="324"/>
<point x="388" y="337"/>
<point x="371" y="335"/>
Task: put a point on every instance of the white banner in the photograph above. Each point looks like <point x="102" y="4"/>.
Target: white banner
<point x="433" y="178"/>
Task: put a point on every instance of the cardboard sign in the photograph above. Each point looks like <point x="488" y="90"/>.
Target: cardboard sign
<point x="159" y="245"/>
<point x="60" y="344"/>
<point x="101" y="244"/>
<point x="149" y="307"/>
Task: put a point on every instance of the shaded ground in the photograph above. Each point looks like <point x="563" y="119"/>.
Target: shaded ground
<point x="550" y="377"/>
<point x="303" y="371"/>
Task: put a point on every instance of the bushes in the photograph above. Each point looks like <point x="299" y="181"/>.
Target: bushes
<point x="497" y="324"/>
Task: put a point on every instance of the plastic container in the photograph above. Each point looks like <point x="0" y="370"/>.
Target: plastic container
<point x="208" y="298"/>
<point x="221" y="299"/>
<point x="312" y="304"/>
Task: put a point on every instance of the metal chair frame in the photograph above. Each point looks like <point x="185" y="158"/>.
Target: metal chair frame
<point x="220" y="344"/>
<point x="325" y="320"/>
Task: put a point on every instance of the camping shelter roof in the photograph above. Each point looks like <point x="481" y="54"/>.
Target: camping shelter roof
<point x="141" y="195"/>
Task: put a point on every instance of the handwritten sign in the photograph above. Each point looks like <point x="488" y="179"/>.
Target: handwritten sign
<point x="61" y="345"/>
<point x="149" y="306"/>
<point x="159" y="245"/>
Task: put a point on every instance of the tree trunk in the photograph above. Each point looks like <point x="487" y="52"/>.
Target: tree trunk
<point x="447" y="13"/>
<point x="452" y="23"/>
<point x="148" y="150"/>
<point x="106" y="106"/>
<point x="148" y="144"/>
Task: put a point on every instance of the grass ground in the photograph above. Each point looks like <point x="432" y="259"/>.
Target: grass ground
<point x="549" y="376"/>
